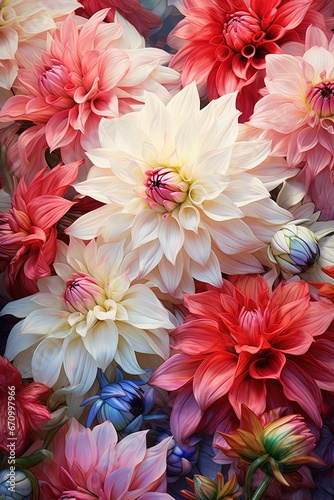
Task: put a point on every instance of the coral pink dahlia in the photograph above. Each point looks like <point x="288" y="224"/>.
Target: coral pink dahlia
<point x="28" y="230"/>
<point x="240" y="342"/>
<point x="89" y="72"/>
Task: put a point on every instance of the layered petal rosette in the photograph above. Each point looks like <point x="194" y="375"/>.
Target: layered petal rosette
<point x="297" y="110"/>
<point x="86" y="316"/>
<point x="240" y="345"/>
<point x="90" y="71"/>
<point x="90" y="464"/>
<point x="223" y="45"/>
<point x="180" y="184"/>
<point x="22" y="26"/>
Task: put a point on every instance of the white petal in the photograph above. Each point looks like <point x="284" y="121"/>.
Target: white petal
<point x="80" y="367"/>
<point x="149" y="257"/>
<point x="221" y="209"/>
<point x="101" y="342"/>
<point x="321" y="60"/>
<point x="189" y="217"/>
<point x="126" y="359"/>
<point x="208" y="273"/>
<point x="144" y="227"/>
<point x="233" y="236"/>
<point x="171" y="237"/>
<point x="171" y="274"/>
<point x="47" y="361"/>
<point x="19" y="308"/>
<point x="17" y="342"/>
<point x="249" y="154"/>
<point x="144" y="309"/>
<point x="198" y="246"/>
<point x="89" y="225"/>
<point x="185" y="103"/>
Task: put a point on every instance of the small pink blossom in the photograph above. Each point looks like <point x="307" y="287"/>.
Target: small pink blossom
<point x="28" y="230"/>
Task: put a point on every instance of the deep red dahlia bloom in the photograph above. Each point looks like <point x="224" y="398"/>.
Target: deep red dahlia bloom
<point x="223" y="45"/>
<point x="239" y="344"/>
<point x="27" y="404"/>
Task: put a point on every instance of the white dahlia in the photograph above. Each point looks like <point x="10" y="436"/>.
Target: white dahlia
<point x="86" y="316"/>
<point x="178" y="182"/>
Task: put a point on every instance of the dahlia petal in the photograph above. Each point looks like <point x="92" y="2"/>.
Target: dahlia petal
<point x="144" y="228"/>
<point x="181" y="104"/>
<point x="175" y="372"/>
<point x="250" y="392"/>
<point x="113" y="66"/>
<point x="139" y="302"/>
<point x="233" y="236"/>
<point x="321" y="60"/>
<point x="198" y="246"/>
<point x="8" y="73"/>
<point x="209" y="272"/>
<point x="88" y="225"/>
<point x="221" y="209"/>
<point x="214" y="378"/>
<point x="250" y="154"/>
<point x="58" y="132"/>
<point x="190" y="339"/>
<point x="316" y="318"/>
<point x="171" y="238"/>
<point x="186" y="415"/>
<point x="118" y="482"/>
<point x="46" y="210"/>
<point x="47" y="361"/>
<point x="291" y="14"/>
<point x="171" y="274"/>
<point x="16" y="342"/>
<point x="188" y="141"/>
<point x="300" y="387"/>
<point x="189" y="218"/>
<point x="80" y="367"/>
<point x="135" y="337"/>
<point x="125" y="357"/>
<point x="149" y="257"/>
<point x="8" y="42"/>
<point x="131" y="450"/>
<point x="101" y="342"/>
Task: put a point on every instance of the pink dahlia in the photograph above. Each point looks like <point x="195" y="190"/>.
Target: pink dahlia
<point x="223" y="45"/>
<point x="89" y="72"/>
<point x="240" y="343"/>
<point x="25" y="403"/>
<point x="28" y="230"/>
<point x="297" y="110"/>
<point x="142" y="19"/>
<point x="90" y="464"/>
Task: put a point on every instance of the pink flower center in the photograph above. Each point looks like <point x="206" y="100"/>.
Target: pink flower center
<point x="321" y="99"/>
<point x="165" y="190"/>
<point x="241" y="31"/>
<point x="82" y="293"/>
<point x="53" y="81"/>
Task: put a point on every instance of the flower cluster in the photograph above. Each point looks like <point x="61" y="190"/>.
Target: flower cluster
<point x="167" y="249"/>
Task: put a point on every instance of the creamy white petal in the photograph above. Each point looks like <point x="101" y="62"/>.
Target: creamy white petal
<point x="144" y="227"/>
<point x="126" y="358"/>
<point x="17" y="342"/>
<point x="149" y="257"/>
<point x="47" y="361"/>
<point x="101" y="342"/>
<point x="208" y="273"/>
<point x="79" y="365"/>
<point x="144" y="309"/>
<point x="198" y="246"/>
<point x="90" y="225"/>
<point x="171" y="238"/>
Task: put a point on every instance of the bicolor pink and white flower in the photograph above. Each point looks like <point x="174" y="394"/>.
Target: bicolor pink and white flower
<point x="23" y="26"/>
<point x="180" y="184"/>
<point x="28" y="231"/>
<point x="239" y="344"/>
<point x="89" y="464"/>
<point x="223" y="45"/>
<point x="86" y="316"/>
<point x="90" y="71"/>
<point x="297" y="109"/>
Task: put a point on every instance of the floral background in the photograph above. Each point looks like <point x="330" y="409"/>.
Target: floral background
<point x="167" y="249"/>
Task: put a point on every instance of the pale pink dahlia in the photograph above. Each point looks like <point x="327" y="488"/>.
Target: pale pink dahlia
<point x="89" y="72"/>
<point x="90" y="464"/>
<point x="223" y="45"/>
<point x="87" y="315"/>
<point x="22" y="26"/>
<point x="240" y="345"/>
<point x="28" y="231"/>
<point x="180" y="185"/>
<point x="297" y="110"/>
